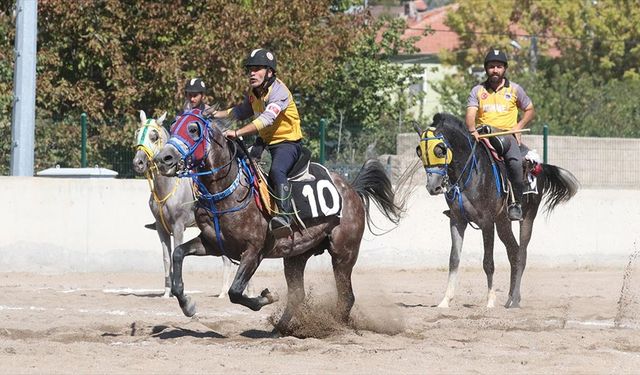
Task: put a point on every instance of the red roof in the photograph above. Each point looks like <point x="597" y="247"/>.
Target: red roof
<point x="443" y="38"/>
<point x="433" y="43"/>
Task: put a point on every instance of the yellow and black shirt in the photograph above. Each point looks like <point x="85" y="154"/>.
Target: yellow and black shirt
<point x="498" y="109"/>
<point x="275" y="114"/>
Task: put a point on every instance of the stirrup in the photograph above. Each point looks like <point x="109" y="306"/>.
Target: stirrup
<point x="280" y="227"/>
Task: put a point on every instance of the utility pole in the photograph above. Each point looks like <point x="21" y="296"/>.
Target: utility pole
<point x="24" y="89"/>
<point x="533" y="54"/>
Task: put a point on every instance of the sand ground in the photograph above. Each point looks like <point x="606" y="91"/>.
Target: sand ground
<point x="117" y="323"/>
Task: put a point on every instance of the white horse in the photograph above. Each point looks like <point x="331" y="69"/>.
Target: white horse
<point x="172" y="200"/>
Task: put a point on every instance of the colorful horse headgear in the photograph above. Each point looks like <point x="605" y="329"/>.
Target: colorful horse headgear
<point x="433" y="150"/>
<point x="192" y="151"/>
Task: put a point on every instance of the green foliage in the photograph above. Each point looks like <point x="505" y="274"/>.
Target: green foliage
<point x="587" y="60"/>
<point x="365" y="93"/>
<point x="111" y="58"/>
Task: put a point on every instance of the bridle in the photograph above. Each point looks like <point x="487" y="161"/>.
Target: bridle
<point x="190" y="150"/>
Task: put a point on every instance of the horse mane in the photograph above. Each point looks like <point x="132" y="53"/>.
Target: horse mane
<point x="449" y="121"/>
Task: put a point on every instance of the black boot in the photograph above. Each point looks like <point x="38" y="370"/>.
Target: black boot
<point x="280" y="226"/>
<point x="515" y="211"/>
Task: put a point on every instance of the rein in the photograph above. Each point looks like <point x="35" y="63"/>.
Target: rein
<point x="151" y="173"/>
<point x="206" y="199"/>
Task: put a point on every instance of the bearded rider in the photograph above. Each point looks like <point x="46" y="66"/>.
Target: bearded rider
<point x="495" y="102"/>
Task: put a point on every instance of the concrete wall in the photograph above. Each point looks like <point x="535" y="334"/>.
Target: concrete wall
<point x="52" y="225"/>
<point x="596" y="162"/>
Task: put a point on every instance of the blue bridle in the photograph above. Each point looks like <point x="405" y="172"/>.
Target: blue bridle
<point x="207" y="199"/>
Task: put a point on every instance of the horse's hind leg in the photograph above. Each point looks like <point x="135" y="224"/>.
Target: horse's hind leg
<point x="488" y="265"/>
<point x="294" y="274"/>
<point x="343" y="263"/>
<point x="526" y="229"/>
<point x="503" y="227"/>
<point x="193" y="247"/>
<point x="457" y="238"/>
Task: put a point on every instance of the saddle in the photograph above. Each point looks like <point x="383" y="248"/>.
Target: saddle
<point x="497" y="147"/>
<point x="313" y="190"/>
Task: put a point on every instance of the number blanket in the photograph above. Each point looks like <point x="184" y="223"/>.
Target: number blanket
<point x="317" y="197"/>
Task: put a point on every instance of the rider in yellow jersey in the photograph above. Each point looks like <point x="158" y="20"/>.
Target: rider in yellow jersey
<point x="274" y="117"/>
<point x="495" y="102"/>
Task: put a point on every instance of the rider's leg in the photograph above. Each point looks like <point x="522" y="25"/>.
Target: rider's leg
<point x="513" y="158"/>
<point x="283" y="157"/>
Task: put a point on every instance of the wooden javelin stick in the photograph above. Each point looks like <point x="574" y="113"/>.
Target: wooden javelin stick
<point x="503" y="133"/>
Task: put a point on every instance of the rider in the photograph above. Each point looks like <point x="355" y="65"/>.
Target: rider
<point x="195" y="95"/>
<point x="274" y="117"/>
<point x="495" y="102"/>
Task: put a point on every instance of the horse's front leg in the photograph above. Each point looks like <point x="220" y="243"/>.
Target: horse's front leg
<point x="488" y="236"/>
<point x="165" y="240"/>
<point x="248" y="265"/>
<point x="193" y="247"/>
<point x="505" y="233"/>
<point x="457" y="237"/>
<point x="227" y="268"/>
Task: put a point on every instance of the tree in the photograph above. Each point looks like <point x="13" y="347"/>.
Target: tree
<point x="585" y="49"/>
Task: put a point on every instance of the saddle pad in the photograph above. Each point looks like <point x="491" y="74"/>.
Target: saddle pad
<point x="316" y="198"/>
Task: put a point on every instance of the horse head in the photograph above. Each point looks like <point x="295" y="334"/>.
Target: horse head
<point x="190" y="144"/>
<point x="150" y="138"/>
<point x="436" y="151"/>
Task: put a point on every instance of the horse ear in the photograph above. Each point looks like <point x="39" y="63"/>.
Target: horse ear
<point x="143" y="116"/>
<point x="161" y="119"/>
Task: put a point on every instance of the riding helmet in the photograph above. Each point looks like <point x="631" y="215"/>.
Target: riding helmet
<point x="261" y="57"/>
<point x="496" y="55"/>
<point x="195" y="85"/>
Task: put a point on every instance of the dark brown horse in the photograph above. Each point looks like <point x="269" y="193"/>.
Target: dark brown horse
<point x="232" y="223"/>
<point x="471" y="183"/>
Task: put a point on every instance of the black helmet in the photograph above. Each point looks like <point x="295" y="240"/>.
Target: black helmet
<point x="496" y="55"/>
<point x="195" y="85"/>
<point x="261" y="57"/>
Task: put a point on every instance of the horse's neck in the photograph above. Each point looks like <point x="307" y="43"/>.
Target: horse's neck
<point x="163" y="185"/>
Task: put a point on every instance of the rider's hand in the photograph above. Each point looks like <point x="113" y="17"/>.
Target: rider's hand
<point x="475" y="135"/>
<point x="209" y="112"/>
<point x="231" y="134"/>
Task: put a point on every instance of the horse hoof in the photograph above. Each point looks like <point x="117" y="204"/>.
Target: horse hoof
<point x="271" y="297"/>
<point x="188" y="307"/>
<point x="444" y="304"/>
<point x="167" y="293"/>
<point x="223" y="296"/>
<point x="511" y="304"/>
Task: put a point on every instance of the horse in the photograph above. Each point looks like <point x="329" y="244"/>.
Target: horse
<point x="233" y="223"/>
<point x="472" y="184"/>
<point x="171" y="200"/>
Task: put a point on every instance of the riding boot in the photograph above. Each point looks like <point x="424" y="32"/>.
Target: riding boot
<point x="515" y="209"/>
<point x="280" y="226"/>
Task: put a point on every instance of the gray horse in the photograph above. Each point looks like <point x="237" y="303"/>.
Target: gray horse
<point x="171" y="201"/>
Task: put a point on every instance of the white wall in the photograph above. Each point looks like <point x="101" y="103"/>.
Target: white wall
<point x="53" y="225"/>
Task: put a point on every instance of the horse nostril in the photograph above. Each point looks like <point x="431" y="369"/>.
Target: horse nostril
<point x="167" y="159"/>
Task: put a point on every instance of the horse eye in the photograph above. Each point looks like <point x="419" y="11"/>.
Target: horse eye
<point x="194" y="130"/>
<point x="153" y="136"/>
<point x="419" y="151"/>
<point x="440" y="151"/>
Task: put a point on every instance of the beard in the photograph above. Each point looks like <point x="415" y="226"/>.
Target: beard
<point x="495" y="79"/>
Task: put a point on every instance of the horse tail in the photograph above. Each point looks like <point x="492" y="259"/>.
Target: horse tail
<point x="372" y="183"/>
<point x="559" y="186"/>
